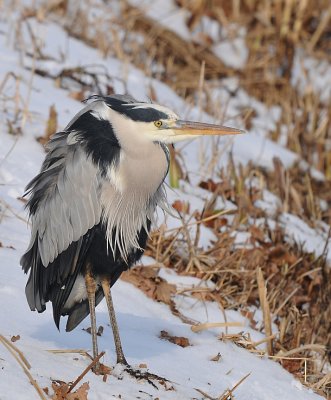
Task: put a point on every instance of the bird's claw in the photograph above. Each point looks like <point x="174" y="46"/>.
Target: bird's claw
<point x="137" y="373"/>
<point x="146" y="376"/>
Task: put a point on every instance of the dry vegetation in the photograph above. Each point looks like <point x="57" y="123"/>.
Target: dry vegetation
<point x="298" y="285"/>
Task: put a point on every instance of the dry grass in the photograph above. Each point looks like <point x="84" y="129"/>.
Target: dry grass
<point x="292" y="287"/>
<point x="227" y="394"/>
<point x="275" y="31"/>
<point x="24" y="364"/>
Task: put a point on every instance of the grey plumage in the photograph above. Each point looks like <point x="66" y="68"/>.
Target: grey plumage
<point x="72" y="194"/>
<point x="68" y="199"/>
<point x="94" y="200"/>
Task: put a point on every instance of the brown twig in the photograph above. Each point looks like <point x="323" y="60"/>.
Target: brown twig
<point x="86" y="370"/>
<point x="228" y="393"/>
<point x="13" y="347"/>
<point x="18" y="355"/>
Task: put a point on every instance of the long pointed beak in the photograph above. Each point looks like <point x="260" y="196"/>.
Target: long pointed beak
<point x="181" y="127"/>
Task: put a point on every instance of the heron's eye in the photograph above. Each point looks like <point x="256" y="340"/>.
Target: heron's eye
<point x="158" y="124"/>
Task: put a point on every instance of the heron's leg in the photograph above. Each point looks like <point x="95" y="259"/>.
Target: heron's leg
<point x="105" y="283"/>
<point x="91" y="288"/>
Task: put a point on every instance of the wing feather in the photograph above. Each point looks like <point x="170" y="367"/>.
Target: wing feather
<point x="64" y="205"/>
<point x="64" y="201"/>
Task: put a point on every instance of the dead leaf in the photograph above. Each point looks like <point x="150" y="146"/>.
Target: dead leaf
<point x="78" y="95"/>
<point x="181" y="206"/>
<point x="104" y="370"/>
<point x="15" y="338"/>
<point x="80" y="394"/>
<point x="280" y="255"/>
<point x="209" y="185"/>
<point x="51" y="126"/>
<point x="164" y="291"/>
<point x="61" y="391"/>
<point x="178" y="340"/>
<point x="147" y="280"/>
<point x="99" y="331"/>
<point x="142" y="365"/>
<point x="292" y="365"/>
<point x="150" y="273"/>
<point x="216" y="358"/>
<point x="7" y="247"/>
<point x="257" y="233"/>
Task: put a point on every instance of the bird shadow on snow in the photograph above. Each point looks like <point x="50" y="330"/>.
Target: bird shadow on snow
<point x="139" y="335"/>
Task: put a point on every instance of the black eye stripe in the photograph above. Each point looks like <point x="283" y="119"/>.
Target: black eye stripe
<point x="143" y="114"/>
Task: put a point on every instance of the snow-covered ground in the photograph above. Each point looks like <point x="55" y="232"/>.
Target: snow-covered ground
<point x="141" y="319"/>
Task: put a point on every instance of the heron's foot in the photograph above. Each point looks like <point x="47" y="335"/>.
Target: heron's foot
<point x="152" y="379"/>
<point x="122" y="361"/>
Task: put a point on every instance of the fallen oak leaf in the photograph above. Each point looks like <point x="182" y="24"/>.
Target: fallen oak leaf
<point x="147" y="280"/>
<point x="178" y="340"/>
<point x="164" y="291"/>
<point x="104" y="370"/>
<point x="209" y="185"/>
<point x="61" y="390"/>
<point x="181" y="206"/>
<point x="80" y="394"/>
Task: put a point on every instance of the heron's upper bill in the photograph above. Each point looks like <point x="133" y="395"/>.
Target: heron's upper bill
<point x="191" y="128"/>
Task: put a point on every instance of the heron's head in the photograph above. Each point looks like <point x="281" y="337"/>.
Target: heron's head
<point x="155" y="123"/>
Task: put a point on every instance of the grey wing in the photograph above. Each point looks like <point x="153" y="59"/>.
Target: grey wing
<point x="64" y="202"/>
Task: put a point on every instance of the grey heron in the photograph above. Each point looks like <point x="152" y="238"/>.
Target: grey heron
<point x="93" y="203"/>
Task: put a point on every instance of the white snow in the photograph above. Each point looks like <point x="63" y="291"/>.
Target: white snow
<point x="233" y="51"/>
<point x="312" y="75"/>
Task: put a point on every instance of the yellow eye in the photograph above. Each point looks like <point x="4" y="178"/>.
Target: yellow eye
<point x="158" y="124"/>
